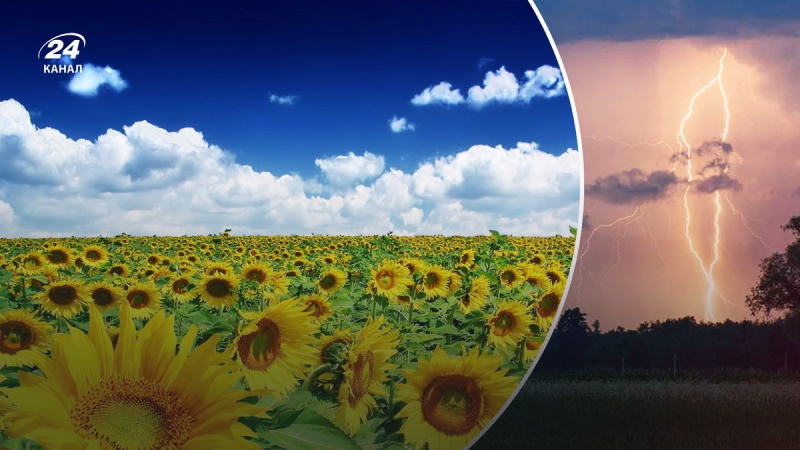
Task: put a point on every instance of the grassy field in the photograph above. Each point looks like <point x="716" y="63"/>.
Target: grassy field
<point x="571" y="415"/>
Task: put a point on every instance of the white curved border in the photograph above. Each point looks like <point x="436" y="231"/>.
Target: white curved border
<point x="39" y="55"/>
<point x="575" y="252"/>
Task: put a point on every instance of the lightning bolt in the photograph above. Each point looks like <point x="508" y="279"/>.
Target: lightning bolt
<point x="707" y="270"/>
<point x="588" y="242"/>
<point x="746" y="224"/>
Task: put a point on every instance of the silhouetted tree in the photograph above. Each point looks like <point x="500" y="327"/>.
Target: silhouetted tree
<point x="778" y="288"/>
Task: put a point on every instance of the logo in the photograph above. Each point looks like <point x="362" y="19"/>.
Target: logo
<point x="63" y="48"/>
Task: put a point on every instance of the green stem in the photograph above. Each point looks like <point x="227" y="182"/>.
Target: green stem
<point x="319" y="370"/>
<point x="520" y="356"/>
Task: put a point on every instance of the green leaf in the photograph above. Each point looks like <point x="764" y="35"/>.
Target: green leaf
<point x="573" y="231"/>
<point x="303" y="436"/>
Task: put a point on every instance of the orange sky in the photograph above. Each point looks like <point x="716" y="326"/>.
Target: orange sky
<point x="631" y="92"/>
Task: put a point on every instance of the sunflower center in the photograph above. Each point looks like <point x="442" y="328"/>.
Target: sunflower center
<point x="313" y="307"/>
<point x="363" y="371"/>
<point x="15" y="336"/>
<point x="256" y="275"/>
<point x="138" y="299"/>
<point x="218" y="288"/>
<point x="132" y="413"/>
<point x="62" y="295"/>
<point x="530" y="344"/>
<point x="152" y="260"/>
<point x="431" y="280"/>
<point x="31" y="263"/>
<point x="504" y="323"/>
<point x="453" y="404"/>
<point x="554" y="277"/>
<point x="327" y="282"/>
<point x="117" y="270"/>
<point x="57" y="257"/>
<point x="508" y="276"/>
<point x="93" y="255"/>
<point x="464" y="259"/>
<point x="465" y="300"/>
<point x="102" y="297"/>
<point x="385" y="280"/>
<point x="548" y="305"/>
<point x="179" y="286"/>
<point x="259" y="349"/>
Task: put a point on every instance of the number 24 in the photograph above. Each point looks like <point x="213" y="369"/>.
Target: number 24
<point x="57" y="45"/>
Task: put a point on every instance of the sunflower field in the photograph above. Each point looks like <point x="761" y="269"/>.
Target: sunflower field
<point x="301" y="342"/>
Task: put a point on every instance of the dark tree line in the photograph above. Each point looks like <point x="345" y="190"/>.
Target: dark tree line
<point x="765" y="344"/>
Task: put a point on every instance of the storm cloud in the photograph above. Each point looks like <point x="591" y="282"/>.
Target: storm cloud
<point x="632" y="186"/>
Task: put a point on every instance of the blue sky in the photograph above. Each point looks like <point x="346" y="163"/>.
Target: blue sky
<point x="348" y="68"/>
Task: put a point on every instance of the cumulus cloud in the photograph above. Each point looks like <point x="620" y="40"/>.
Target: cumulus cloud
<point x="632" y="186"/>
<point x="441" y="94"/>
<point x="500" y="87"/>
<point x="88" y="82"/>
<point x="147" y="180"/>
<point x="344" y="170"/>
<point x="283" y="99"/>
<point x="718" y="182"/>
<point x="400" y="124"/>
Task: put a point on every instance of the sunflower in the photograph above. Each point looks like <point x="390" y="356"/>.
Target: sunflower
<point x="532" y="345"/>
<point x="94" y="256"/>
<point x="20" y="330"/>
<point x="218" y="268"/>
<point x="535" y="276"/>
<point x="218" y="291"/>
<point x="454" y="283"/>
<point x="510" y="324"/>
<point x="331" y="281"/>
<point x="59" y="256"/>
<point x="137" y="395"/>
<point x="143" y="299"/>
<point x="511" y="277"/>
<point x="318" y="306"/>
<point x="390" y="280"/>
<point x="555" y="275"/>
<point x="258" y="273"/>
<point x="119" y="271"/>
<point x="449" y="400"/>
<point x="537" y="259"/>
<point x="104" y="295"/>
<point x="413" y="265"/>
<point x="366" y="373"/>
<point x="547" y="305"/>
<point x="280" y="284"/>
<point x="326" y="345"/>
<point x="64" y="298"/>
<point x="435" y="282"/>
<point x="273" y="350"/>
<point x="180" y="288"/>
<point x="153" y="259"/>
<point x="475" y="298"/>
<point x="31" y="263"/>
<point x="467" y="258"/>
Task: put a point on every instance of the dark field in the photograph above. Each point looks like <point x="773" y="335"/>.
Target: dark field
<point x="638" y="414"/>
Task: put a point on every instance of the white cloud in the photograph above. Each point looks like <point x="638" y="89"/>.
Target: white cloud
<point x="89" y="81"/>
<point x="441" y="94"/>
<point x="283" y="99"/>
<point x="400" y="124"/>
<point x="344" y="170"/>
<point x="546" y="81"/>
<point x="146" y="180"/>
<point x="501" y="87"/>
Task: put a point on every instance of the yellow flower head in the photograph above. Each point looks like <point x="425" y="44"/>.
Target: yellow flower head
<point x="449" y="400"/>
<point x="510" y="324"/>
<point x="20" y="330"/>
<point x="139" y="394"/>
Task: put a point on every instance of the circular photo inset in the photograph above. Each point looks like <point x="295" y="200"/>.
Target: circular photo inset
<point x="280" y="225"/>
